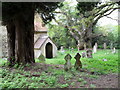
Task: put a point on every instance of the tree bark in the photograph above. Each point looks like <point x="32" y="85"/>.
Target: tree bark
<point x="24" y="49"/>
<point x="11" y="42"/>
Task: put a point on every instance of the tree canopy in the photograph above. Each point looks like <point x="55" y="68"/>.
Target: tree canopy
<point x="10" y="9"/>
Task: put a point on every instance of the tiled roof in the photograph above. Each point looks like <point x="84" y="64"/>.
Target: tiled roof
<point x="39" y="43"/>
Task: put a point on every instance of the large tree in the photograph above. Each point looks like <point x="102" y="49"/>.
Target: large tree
<point x="81" y="22"/>
<point x="18" y="17"/>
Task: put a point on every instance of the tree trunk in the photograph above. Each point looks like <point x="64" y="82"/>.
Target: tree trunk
<point x="24" y="49"/>
<point x="11" y="42"/>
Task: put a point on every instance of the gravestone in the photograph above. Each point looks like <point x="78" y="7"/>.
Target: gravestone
<point x="94" y="49"/>
<point x="96" y="45"/>
<point x="78" y="47"/>
<point x="114" y="50"/>
<point x="62" y="49"/>
<point x="72" y="49"/>
<point x="111" y="46"/>
<point x="78" y="63"/>
<point x="89" y="53"/>
<point x="104" y="45"/>
<point x="67" y="65"/>
<point x="84" y="46"/>
<point x="83" y="54"/>
<point x="41" y="58"/>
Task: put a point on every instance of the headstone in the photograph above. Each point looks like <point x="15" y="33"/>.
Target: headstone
<point x="114" y="50"/>
<point x="62" y="49"/>
<point x="111" y="46"/>
<point x="89" y="53"/>
<point x="96" y="45"/>
<point x="41" y="58"/>
<point x="78" y="45"/>
<point x="67" y="65"/>
<point x="84" y="46"/>
<point x="94" y="49"/>
<point x="83" y="54"/>
<point x="72" y="49"/>
<point x="78" y="63"/>
<point x="104" y="45"/>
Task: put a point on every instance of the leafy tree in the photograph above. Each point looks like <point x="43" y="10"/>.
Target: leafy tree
<point x="110" y="33"/>
<point x="80" y="23"/>
<point x="19" y="20"/>
<point x="61" y="36"/>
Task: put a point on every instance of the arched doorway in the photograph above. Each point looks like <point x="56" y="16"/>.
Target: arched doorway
<point x="49" y="52"/>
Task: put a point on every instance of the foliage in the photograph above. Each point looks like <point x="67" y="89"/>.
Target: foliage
<point x="61" y="36"/>
<point x="51" y="76"/>
<point x="80" y="19"/>
<point x="110" y="33"/>
<point x="10" y="9"/>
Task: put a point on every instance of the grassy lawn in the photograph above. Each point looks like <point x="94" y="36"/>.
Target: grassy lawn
<point x="96" y="63"/>
<point x="48" y="75"/>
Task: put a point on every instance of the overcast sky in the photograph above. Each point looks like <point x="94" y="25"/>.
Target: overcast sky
<point x="103" y="21"/>
<point x="106" y="21"/>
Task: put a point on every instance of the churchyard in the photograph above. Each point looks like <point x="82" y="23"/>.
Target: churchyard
<point x="95" y="72"/>
<point x="65" y="44"/>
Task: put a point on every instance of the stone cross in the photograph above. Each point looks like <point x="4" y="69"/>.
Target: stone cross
<point x="104" y="45"/>
<point x="67" y="65"/>
<point x="83" y="54"/>
<point x="89" y="53"/>
<point x="78" y="63"/>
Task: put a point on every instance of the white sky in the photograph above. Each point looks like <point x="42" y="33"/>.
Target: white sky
<point x="106" y="21"/>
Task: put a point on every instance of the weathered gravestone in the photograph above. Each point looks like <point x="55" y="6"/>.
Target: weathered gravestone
<point x="78" y="63"/>
<point x="83" y="54"/>
<point x="104" y="45"/>
<point x="96" y="45"/>
<point x="84" y="46"/>
<point x="114" y="50"/>
<point x="89" y="53"/>
<point x="41" y="58"/>
<point x="67" y="65"/>
<point x="62" y="49"/>
<point x="111" y="46"/>
<point x="94" y="49"/>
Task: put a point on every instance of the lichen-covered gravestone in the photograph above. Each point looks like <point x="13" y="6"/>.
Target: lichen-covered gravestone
<point x="67" y="65"/>
<point x="104" y="45"/>
<point x="78" y="63"/>
<point x="41" y="58"/>
<point x="89" y="53"/>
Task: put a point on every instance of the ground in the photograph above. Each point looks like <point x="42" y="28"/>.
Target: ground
<point x="50" y="74"/>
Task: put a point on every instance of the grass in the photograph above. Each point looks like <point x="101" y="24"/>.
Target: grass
<point x="51" y="77"/>
<point x="95" y="64"/>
